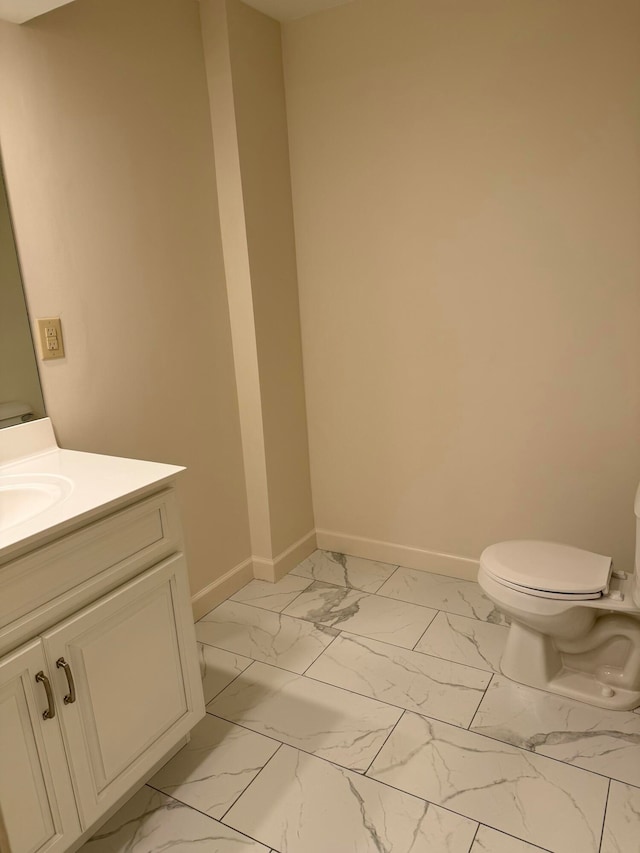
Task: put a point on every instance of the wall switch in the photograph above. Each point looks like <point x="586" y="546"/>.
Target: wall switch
<point x="50" y="338"/>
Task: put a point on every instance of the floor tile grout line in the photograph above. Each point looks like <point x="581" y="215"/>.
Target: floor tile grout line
<point x="316" y="659"/>
<point x="446" y="614"/>
<point x="511" y="835"/>
<point x="455" y="663"/>
<point x="405" y="601"/>
<point x="475" y="835"/>
<point x="314" y="754"/>
<point x="386" y="784"/>
<point x="436" y="657"/>
<point x="386" y="580"/>
<point x="296" y="597"/>
<point x="204" y="814"/>
<point x="448" y="660"/>
<point x="215" y="696"/>
<point x="478" y="708"/>
<point x="320" y="627"/>
<point x="246" y="788"/>
<point x="421" y="713"/>
<point x="418" y="651"/>
<point x="393" y="728"/>
<point x="521" y="749"/>
<point x="433" y="607"/>
<point x="247" y="729"/>
<point x="231" y="682"/>
<point x="446" y="722"/>
<point x="394" y="569"/>
<point x="383" y="701"/>
<point x="362" y="774"/>
<point x="364" y="592"/>
<point x="260" y="607"/>
<point x="604" y="817"/>
<point x="351" y="690"/>
<point x="378" y="594"/>
<point x="433" y="619"/>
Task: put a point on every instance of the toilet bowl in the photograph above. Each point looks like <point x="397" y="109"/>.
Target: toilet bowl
<point x="575" y="622"/>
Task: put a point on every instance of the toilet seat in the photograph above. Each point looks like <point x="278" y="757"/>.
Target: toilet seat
<point x="543" y="593"/>
<point x="548" y="569"/>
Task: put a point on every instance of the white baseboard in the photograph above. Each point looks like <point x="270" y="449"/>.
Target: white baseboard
<point x="329" y="540"/>
<point x="275" y="569"/>
<point x="221" y="588"/>
<point x="401" y="555"/>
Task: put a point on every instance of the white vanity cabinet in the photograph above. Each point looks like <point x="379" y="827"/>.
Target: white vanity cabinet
<point x="99" y="677"/>
<point x="37" y="807"/>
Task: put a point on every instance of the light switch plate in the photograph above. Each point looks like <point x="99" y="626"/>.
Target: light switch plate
<point x="50" y="338"/>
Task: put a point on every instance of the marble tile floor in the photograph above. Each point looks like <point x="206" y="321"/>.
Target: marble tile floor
<point x="358" y="706"/>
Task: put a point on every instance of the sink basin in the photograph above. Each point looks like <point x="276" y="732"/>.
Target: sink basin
<point x="23" y="496"/>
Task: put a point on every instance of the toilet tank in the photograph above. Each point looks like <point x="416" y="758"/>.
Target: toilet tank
<point x="13" y="413"/>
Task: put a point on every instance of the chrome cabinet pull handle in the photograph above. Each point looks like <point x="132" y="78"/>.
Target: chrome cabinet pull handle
<point x="70" y="698"/>
<point x="50" y="713"/>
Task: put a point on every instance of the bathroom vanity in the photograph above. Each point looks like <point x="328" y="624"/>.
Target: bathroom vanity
<point x="99" y="677"/>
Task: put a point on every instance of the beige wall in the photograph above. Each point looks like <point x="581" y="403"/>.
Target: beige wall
<point x="467" y="214"/>
<point x="18" y="372"/>
<point x="258" y="88"/>
<point x="246" y="85"/>
<point x="107" y="143"/>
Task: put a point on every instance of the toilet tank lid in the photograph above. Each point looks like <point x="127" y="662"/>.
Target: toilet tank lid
<point x="548" y="566"/>
<point x="13" y="409"/>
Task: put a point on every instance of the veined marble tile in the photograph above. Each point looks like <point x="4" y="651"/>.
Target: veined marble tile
<point x="315" y="717"/>
<point x="622" y="824"/>
<point x="358" y="612"/>
<point x="342" y="570"/>
<point x="220" y="669"/>
<point x="430" y="686"/>
<point x="215" y="767"/>
<point x="465" y="640"/>
<point x="491" y="841"/>
<point x="444" y="593"/>
<point x="537" y="799"/>
<point x="272" y="596"/>
<point x="321" y="808"/>
<point x="264" y="636"/>
<point x="606" y="742"/>
<point x="150" y="822"/>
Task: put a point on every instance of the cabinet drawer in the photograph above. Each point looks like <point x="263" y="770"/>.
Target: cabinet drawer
<point x="35" y="589"/>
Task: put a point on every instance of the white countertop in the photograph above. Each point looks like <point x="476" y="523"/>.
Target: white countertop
<point x="91" y="482"/>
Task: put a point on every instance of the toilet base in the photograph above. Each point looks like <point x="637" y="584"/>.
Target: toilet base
<point x="585" y="688"/>
<point x="531" y="658"/>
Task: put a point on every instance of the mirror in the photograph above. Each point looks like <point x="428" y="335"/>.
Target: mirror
<point x="20" y="392"/>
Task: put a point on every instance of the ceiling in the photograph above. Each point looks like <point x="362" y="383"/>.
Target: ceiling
<point x="20" y="11"/>
<point x="290" y="10"/>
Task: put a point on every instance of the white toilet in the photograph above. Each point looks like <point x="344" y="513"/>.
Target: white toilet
<point x="575" y="622"/>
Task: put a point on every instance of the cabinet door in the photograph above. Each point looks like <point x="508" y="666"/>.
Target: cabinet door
<point x="37" y="807"/>
<point x="130" y="659"/>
